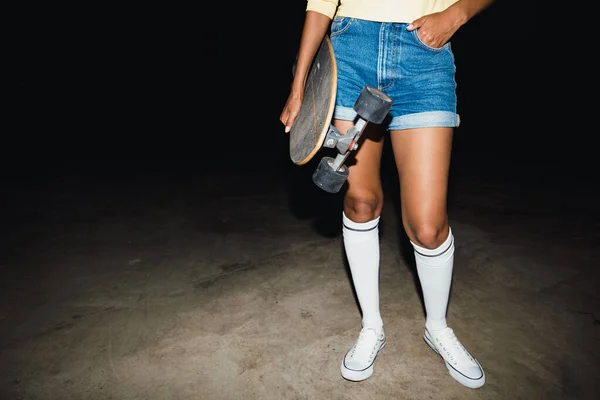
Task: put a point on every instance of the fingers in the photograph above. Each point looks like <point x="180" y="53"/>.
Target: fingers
<point x="415" y="24"/>
<point x="288" y="118"/>
<point x="290" y="112"/>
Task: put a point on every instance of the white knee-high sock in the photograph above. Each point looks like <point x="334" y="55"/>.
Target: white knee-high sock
<point x="434" y="268"/>
<point x="361" y="242"/>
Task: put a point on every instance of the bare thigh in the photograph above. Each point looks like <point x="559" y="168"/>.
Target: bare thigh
<point x="422" y="158"/>
<point x="363" y="199"/>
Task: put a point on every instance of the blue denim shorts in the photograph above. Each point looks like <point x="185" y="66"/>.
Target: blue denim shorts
<point x="419" y="79"/>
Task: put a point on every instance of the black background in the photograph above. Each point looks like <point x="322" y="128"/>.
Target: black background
<point x="157" y="88"/>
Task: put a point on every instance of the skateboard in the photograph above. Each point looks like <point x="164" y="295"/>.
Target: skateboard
<point x="312" y="129"/>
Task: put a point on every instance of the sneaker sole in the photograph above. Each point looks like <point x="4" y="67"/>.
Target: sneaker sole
<point x="460" y="378"/>
<point x="357" y="376"/>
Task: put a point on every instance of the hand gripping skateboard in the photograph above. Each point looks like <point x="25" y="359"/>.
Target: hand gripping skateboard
<point x="313" y="130"/>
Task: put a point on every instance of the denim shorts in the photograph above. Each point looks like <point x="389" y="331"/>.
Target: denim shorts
<point x="419" y="79"/>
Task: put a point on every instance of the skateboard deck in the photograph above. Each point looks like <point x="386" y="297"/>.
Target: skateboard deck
<point x="312" y="128"/>
<point x="313" y="121"/>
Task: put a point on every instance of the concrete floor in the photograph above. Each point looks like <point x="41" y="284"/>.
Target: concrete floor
<point x="221" y="287"/>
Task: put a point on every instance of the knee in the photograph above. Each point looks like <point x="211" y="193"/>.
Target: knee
<point x="430" y="236"/>
<point x="363" y="207"/>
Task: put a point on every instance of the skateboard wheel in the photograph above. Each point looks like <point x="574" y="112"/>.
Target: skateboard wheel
<point x="329" y="179"/>
<point x="372" y="105"/>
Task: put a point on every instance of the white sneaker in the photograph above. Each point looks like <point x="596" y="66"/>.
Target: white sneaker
<point x="357" y="365"/>
<point x="460" y="363"/>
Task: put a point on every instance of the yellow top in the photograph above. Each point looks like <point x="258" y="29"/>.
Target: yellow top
<point x="379" y="10"/>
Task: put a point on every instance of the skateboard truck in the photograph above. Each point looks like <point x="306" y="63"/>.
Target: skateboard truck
<point x="312" y="128"/>
<point x="371" y="106"/>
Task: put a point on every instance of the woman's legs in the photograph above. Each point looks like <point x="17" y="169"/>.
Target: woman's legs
<point x="423" y="160"/>
<point x="363" y="202"/>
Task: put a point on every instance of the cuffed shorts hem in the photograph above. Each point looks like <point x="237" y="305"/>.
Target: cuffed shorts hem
<point x="429" y="119"/>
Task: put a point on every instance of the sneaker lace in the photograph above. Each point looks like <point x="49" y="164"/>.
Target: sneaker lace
<point x="453" y="348"/>
<point x="365" y="347"/>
